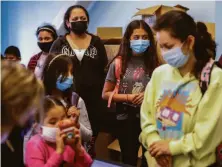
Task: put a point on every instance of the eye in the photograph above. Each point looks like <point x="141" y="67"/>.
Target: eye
<point x="136" y="37"/>
<point x="40" y="38"/>
<point x="74" y="19"/>
<point x="52" y="122"/>
<point x="83" y="18"/>
<point x="145" y="37"/>
<point x="169" y="46"/>
<point x="47" y="38"/>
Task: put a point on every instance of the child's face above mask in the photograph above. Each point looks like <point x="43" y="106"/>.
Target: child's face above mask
<point x="53" y="116"/>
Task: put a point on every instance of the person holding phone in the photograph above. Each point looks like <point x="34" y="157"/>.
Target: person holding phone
<point x="51" y="146"/>
<point x="58" y="82"/>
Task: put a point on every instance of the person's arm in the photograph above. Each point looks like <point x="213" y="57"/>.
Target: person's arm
<point x="35" y="156"/>
<point x="83" y="159"/>
<point x="102" y="55"/>
<point x="109" y="86"/>
<point x="85" y="127"/>
<point x="31" y="64"/>
<point x="149" y="132"/>
<point x="206" y="135"/>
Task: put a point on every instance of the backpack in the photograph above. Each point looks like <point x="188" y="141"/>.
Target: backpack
<point x="204" y="83"/>
<point x="118" y="67"/>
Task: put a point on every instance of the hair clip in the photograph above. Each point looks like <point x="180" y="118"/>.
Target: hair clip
<point x="46" y="28"/>
<point x="55" y="58"/>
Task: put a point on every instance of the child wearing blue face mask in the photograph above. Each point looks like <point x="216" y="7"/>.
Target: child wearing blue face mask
<point x="137" y="59"/>
<point x="58" y="81"/>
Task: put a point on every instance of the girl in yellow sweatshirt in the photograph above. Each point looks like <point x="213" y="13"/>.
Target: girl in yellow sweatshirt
<point x="181" y="127"/>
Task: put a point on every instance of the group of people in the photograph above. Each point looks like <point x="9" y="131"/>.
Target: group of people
<point x="174" y="110"/>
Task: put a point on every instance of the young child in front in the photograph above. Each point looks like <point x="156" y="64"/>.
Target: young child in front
<point x="49" y="148"/>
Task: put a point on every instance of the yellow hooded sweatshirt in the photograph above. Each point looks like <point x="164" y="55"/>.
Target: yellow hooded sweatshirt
<point x="173" y="108"/>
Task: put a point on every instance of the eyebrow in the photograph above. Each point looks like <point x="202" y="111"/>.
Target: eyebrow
<point x="52" y="119"/>
<point x="166" y="44"/>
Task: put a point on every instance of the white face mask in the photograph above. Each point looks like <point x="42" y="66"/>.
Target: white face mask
<point x="49" y="133"/>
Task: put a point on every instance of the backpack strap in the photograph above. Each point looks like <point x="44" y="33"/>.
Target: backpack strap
<point x="75" y="99"/>
<point x="205" y="76"/>
<point x="118" y="67"/>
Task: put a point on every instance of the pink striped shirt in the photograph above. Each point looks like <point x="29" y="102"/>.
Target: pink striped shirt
<point x="40" y="154"/>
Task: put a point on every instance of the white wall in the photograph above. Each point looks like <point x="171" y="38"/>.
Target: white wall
<point x="20" y="19"/>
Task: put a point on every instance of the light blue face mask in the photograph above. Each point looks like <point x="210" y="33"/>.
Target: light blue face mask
<point x="139" y="46"/>
<point x="67" y="83"/>
<point x="175" y="57"/>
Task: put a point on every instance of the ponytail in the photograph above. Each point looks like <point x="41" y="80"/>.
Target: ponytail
<point x="204" y="48"/>
<point x="206" y="38"/>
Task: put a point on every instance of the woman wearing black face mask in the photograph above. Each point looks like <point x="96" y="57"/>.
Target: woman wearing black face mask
<point x="89" y="60"/>
<point x="46" y="35"/>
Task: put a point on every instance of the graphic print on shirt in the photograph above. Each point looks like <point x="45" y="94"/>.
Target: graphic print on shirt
<point x="124" y="87"/>
<point x="67" y="50"/>
<point x="138" y="73"/>
<point x="171" y="107"/>
<point x="127" y="73"/>
<point x="138" y="87"/>
<point x="90" y="52"/>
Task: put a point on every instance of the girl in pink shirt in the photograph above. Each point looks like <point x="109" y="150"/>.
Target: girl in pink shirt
<point x="48" y="148"/>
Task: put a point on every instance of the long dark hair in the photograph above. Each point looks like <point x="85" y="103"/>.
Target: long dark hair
<point x="68" y="12"/>
<point x="149" y="56"/>
<point x="55" y="66"/>
<point x="180" y="25"/>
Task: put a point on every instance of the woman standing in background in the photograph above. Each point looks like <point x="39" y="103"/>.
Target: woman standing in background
<point x="46" y="35"/>
<point x="89" y="59"/>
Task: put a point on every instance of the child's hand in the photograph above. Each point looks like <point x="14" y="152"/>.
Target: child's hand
<point x="131" y="97"/>
<point x="77" y="144"/>
<point x="138" y="99"/>
<point x="164" y="160"/>
<point x="60" y="137"/>
<point x="74" y="113"/>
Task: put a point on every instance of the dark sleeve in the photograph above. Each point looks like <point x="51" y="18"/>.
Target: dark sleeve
<point x="111" y="73"/>
<point x="32" y="63"/>
<point x="102" y="54"/>
<point x="56" y="47"/>
<point x="29" y="66"/>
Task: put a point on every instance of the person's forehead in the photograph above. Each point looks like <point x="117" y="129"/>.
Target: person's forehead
<point x="44" y="34"/>
<point x="10" y="55"/>
<point x="164" y="37"/>
<point x="77" y="12"/>
<point x="139" y="31"/>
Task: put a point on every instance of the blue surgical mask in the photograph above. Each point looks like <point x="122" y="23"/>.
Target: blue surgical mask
<point x="67" y="83"/>
<point x="175" y="57"/>
<point x="139" y="46"/>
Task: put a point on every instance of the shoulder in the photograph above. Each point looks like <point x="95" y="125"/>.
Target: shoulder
<point x="60" y="40"/>
<point x="163" y="69"/>
<point x="36" y="56"/>
<point x="35" y="142"/>
<point x="216" y="76"/>
<point x="95" y="40"/>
